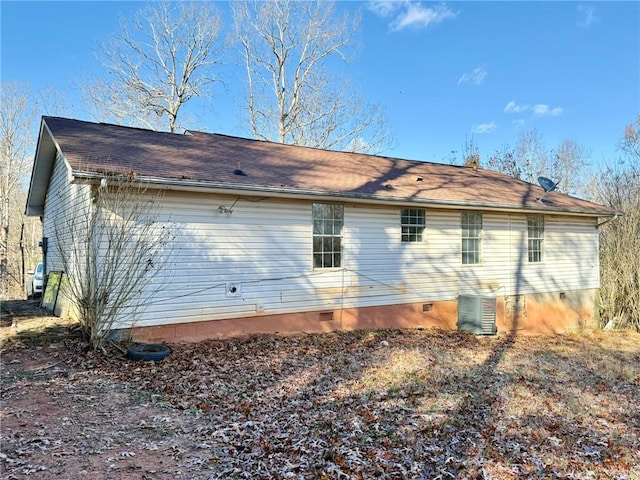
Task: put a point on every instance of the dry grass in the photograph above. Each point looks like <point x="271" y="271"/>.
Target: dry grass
<point x="25" y="322"/>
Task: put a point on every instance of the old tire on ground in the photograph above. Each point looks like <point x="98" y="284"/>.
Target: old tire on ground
<point x="148" y="352"/>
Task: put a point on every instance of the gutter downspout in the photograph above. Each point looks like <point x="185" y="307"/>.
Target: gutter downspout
<point x="598" y="225"/>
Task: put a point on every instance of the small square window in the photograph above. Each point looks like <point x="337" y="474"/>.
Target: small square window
<point x="412" y="222"/>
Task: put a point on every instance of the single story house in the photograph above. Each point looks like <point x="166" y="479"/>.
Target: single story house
<point x="281" y="238"/>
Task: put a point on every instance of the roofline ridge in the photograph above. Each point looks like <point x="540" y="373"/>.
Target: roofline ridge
<point x="271" y="142"/>
<point x="109" y="124"/>
<point x="370" y="156"/>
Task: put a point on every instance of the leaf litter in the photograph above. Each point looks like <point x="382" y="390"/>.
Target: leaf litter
<point x="391" y="404"/>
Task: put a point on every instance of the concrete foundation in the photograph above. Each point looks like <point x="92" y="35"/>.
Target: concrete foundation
<point x="556" y="312"/>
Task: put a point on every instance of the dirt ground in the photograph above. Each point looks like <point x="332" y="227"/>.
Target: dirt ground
<point x="62" y="418"/>
<point x="358" y="405"/>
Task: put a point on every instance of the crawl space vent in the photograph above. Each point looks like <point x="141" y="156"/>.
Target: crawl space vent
<point x="477" y="314"/>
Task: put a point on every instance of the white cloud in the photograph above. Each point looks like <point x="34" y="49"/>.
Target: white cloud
<point x="484" y="128"/>
<point x="587" y="16"/>
<point x="513" y="107"/>
<point x="542" y="110"/>
<point x="382" y="8"/>
<point x="476" y="76"/>
<point x="410" y="14"/>
<point x="539" y="109"/>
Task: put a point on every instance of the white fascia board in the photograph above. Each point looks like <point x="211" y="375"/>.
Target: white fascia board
<point x="318" y="195"/>
<point x="43" y="162"/>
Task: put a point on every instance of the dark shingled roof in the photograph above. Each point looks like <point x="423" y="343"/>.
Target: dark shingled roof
<point x="206" y="159"/>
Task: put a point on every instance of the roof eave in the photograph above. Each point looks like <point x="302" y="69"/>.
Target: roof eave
<point x="309" y="194"/>
<point x="41" y="171"/>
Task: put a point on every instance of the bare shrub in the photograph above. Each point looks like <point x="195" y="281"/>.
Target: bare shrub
<point x="114" y="251"/>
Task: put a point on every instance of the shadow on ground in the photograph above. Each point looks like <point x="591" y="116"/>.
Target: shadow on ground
<point x="25" y="321"/>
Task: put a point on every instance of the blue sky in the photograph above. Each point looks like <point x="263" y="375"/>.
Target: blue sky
<point x="445" y="73"/>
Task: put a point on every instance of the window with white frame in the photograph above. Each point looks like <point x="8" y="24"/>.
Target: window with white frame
<point x="412" y="221"/>
<point x="328" y="220"/>
<point x="535" y="238"/>
<point x="471" y="225"/>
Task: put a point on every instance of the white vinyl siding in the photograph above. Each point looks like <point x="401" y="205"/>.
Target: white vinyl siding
<point x="265" y="245"/>
<point x="571" y="255"/>
<point x="64" y="201"/>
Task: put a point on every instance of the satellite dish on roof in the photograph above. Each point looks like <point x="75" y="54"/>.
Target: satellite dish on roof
<point x="546" y="183"/>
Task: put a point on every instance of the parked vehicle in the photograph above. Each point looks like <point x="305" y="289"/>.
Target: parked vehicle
<point x="35" y="282"/>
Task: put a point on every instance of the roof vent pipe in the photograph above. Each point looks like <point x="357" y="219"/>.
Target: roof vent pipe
<point x="238" y="171"/>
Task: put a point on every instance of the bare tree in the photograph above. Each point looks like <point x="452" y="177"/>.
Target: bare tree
<point x="17" y="117"/>
<point x="568" y="164"/>
<point x="292" y="96"/>
<point x="531" y="158"/>
<point x="504" y="160"/>
<point x="155" y="68"/>
<point x="618" y="186"/>
<point x="51" y="101"/>
<point x="531" y="155"/>
<point x="630" y="143"/>
<point x="114" y="252"/>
